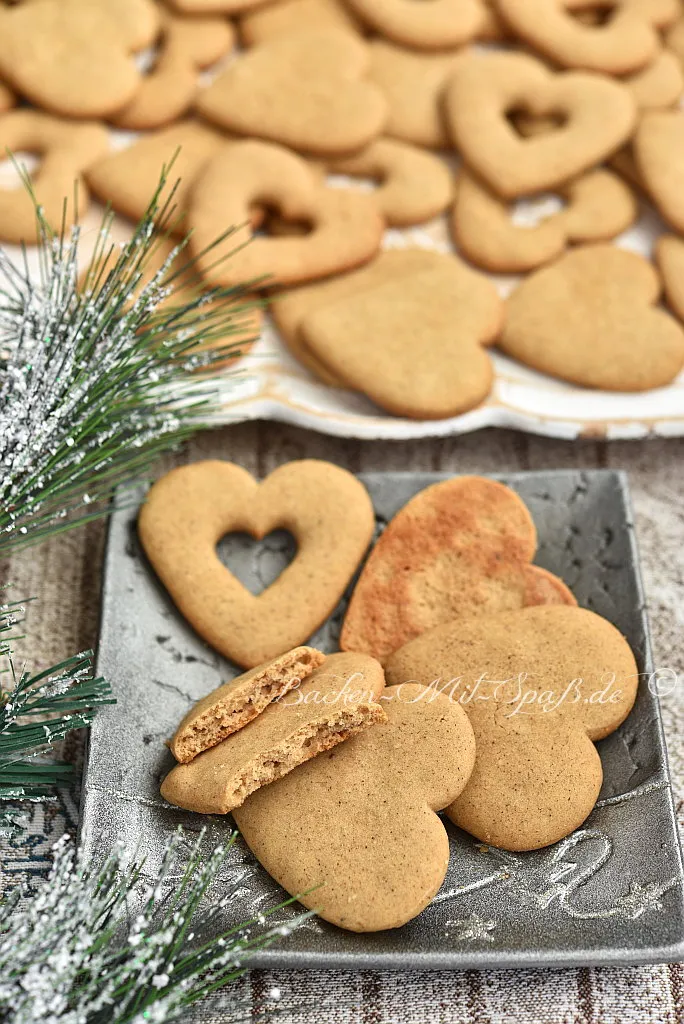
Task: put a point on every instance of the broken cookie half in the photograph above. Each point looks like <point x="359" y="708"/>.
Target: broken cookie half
<point x="337" y="700"/>
<point x="227" y="709"/>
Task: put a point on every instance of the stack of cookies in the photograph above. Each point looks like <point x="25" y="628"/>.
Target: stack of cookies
<point x="574" y="100"/>
<point x="468" y="681"/>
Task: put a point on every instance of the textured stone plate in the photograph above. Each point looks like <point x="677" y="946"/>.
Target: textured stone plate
<point x="610" y="893"/>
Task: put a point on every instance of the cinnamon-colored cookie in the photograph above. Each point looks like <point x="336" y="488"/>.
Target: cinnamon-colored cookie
<point x="345" y="226"/>
<point x="600" y="115"/>
<point x="413" y="186"/>
<point x="457" y="549"/>
<point x="190" y="509"/>
<point x="589" y="318"/>
<point x="305" y="89"/>
<point x="65" y="149"/>
<point x="598" y="206"/>
<point x="354" y="833"/>
<point x="337" y="701"/>
<point x="75" y="58"/>
<point x="188" y="44"/>
<point x="540" y="687"/>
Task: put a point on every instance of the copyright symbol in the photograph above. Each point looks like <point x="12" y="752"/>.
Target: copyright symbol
<point x="662" y="682"/>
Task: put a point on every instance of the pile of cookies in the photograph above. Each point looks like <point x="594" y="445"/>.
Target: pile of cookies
<point x="468" y="682"/>
<point x="577" y="98"/>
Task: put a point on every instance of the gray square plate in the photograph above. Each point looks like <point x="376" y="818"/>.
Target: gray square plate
<point x="610" y="893"/>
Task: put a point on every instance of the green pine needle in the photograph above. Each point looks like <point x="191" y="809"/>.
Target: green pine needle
<point x="99" y="377"/>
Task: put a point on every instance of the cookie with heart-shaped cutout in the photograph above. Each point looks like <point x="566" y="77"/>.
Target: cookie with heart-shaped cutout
<point x="431" y="25"/>
<point x="188" y="44"/>
<point x="413" y="83"/>
<point x="669" y="257"/>
<point x="306" y="89"/>
<point x="358" y="825"/>
<point x="589" y="318"/>
<point x="345" y="226"/>
<point x="598" y="206"/>
<point x="292" y="15"/>
<point x="75" y="58"/>
<point x="659" y="153"/>
<point x="627" y="42"/>
<point x="128" y="178"/>
<point x="484" y="88"/>
<point x="414" y="345"/>
<point x="65" y="149"/>
<point x="188" y="511"/>
<point x="336" y="701"/>
<point x="289" y="309"/>
<point x="539" y="686"/>
<point x="412" y="186"/>
<point x="459" y="548"/>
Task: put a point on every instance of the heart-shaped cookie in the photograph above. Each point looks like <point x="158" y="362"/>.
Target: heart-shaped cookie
<point x="412" y="186"/>
<point x="358" y="825"/>
<point x="599" y="205"/>
<point x="589" y="318"/>
<point x="627" y="42"/>
<point x="346" y="227"/>
<point x="669" y="257"/>
<point x="65" y="149"/>
<point x="128" y="178"/>
<point x="659" y="85"/>
<point x="431" y="25"/>
<point x="337" y="700"/>
<point x="188" y="44"/>
<point x="291" y="16"/>
<point x="599" y="115"/>
<point x="459" y="548"/>
<point x="75" y="58"/>
<point x="305" y="89"/>
<point x="414" y="345"/>
<point x="540" y="687"/>
<point x="659" y="152"/>
<point x="189" y="510"/>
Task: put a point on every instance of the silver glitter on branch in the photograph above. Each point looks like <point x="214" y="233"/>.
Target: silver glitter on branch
<point x="91" y="371"/>
<point x="105" y="945"/>
<point x="37" y="711"/>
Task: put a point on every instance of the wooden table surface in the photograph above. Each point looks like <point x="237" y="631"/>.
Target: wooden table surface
<point x="64" y="574"/>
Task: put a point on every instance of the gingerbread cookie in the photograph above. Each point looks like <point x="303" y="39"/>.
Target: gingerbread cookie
<point x="433" y="25"/>
<point x="190" y="509"/>
<point x="457" y="549"/>
<point x="540" y="687"/>
<point x="65" y="150"/>
<point x="188" y="44"/>
<point x="369" y="339"/>
<point x="305" y="89"/>
<point x="598" y="206"/>
<point x="626" y="43"/>
<point x="484" y="88"/>
<point x="413" y="186"/>
<point x="659" y="85"/>
<point x="354" y="833"/>
<point x="337" y="701"/>
<point x="345" y="226"/>
<point x="413" y="84"/>
<point x="669" y="257"/>
<point x="659" y="153"/>
<point x="292" y="15"/>
<point x="100" y="39"/>
<point x="128" y="178"/>
<point x="588" y="318"/>
<point x="236" y="703"/>
<point x="290" y="308"/>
